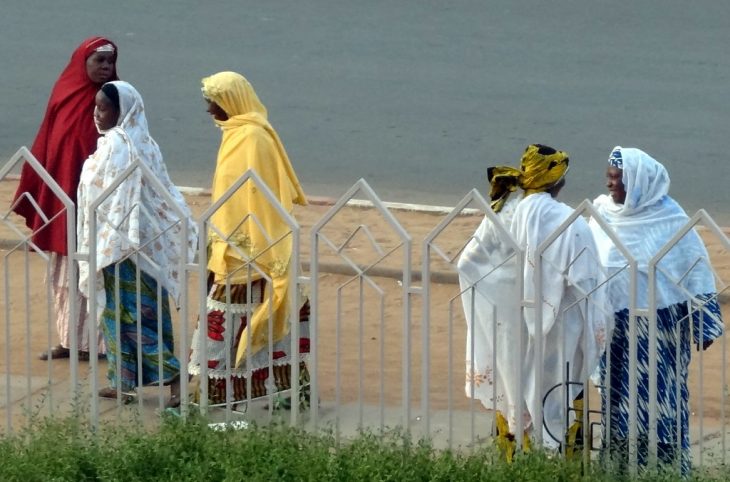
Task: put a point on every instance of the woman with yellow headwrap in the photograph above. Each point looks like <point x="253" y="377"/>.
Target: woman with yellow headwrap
<point x="573" y="332"/>
<point x="575" y="314"/>
<point x="250" y="247"/>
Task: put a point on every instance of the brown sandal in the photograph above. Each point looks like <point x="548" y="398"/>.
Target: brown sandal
<point x="55" y="353"/>
<point x="59" y="351"/>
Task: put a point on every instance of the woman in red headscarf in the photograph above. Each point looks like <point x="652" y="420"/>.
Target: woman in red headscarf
<point x="67" y="137"/>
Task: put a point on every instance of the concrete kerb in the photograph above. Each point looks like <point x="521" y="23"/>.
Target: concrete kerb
<point x="445" y="277"/>
<point x="337" y="268"/>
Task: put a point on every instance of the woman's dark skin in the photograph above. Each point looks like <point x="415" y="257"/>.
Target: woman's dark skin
<point x="106" y="114"/>
<point x="216" y="111"/>
<point x="615" y="184"/>
<point x="555" y="190"/>
<point x="100" y="67"/>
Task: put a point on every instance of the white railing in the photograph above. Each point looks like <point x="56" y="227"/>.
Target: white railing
<point x="374" y="269"/>
<point x="362" y="277"/>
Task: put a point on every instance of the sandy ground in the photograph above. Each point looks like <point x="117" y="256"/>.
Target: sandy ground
<point x="370" y="330"/>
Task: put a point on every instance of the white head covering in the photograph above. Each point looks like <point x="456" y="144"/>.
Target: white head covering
<point x="646" y="181"/>
<point x="135" y="216"/>
<point x="644" y="223"/>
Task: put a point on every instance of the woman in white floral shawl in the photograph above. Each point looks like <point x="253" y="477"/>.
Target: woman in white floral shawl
<point x="140" y="225"/>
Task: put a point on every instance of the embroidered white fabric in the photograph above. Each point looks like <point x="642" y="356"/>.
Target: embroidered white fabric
<point x="135" y="217"/>
<point x="487" y="277"/>
<point x="574" y="325"/>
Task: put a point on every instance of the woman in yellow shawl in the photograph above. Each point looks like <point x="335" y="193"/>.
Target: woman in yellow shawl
<point x="249" y="251"/>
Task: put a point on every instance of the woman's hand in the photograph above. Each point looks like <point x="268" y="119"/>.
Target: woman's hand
<point x="705" y="344"/>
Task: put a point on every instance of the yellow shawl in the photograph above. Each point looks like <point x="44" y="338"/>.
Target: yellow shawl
<point x="250" y="142"/>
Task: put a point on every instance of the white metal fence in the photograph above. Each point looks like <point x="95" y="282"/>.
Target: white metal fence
<point x="387" y="328"/>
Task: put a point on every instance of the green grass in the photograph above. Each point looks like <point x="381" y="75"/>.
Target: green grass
<point x="54" y="449"/>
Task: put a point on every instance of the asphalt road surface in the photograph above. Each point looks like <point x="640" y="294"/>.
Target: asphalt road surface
<point x="417" y="97"/>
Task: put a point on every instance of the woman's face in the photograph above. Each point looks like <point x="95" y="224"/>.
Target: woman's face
<point x="615" y="184"/>
<point x="216" y="111"/>
<point x="106" y="114"/>
<point x="100" y="67"/>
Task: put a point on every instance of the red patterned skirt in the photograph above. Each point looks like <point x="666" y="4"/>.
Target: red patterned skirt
<point x="260" y="366"/>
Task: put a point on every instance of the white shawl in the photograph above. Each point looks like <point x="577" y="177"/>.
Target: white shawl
<point x="571" y="332"/>
<point x="644" y="223"/>
<point x="135" y="217"/>
<point x="487" y="276"/>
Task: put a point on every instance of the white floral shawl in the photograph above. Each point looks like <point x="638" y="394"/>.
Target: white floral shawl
<point x="135" y="217"/>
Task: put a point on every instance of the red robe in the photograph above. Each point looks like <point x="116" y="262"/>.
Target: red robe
<point x="66" y="138"/>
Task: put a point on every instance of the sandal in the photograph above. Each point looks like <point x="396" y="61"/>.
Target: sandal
<point x="85" y="356"/>
<point x="279" y="403"/>
<point x="173" y="402"/>
<point x="111" y="393"/>
<point x="284" y="403"/>
<point x="55" y="353"/>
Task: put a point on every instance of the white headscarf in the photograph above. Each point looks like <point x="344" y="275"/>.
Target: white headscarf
<point x="135" y="217"/>
<point x="644" y="223"/>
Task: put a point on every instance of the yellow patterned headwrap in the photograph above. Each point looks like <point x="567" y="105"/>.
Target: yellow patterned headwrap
<point x="542" y="167"/>
<point x="250" y="142"/>
<point x="503" y="180"/>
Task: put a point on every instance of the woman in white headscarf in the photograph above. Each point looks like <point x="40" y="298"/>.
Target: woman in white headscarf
<point x="138" y="227"/>
<point x="638" y="208"/>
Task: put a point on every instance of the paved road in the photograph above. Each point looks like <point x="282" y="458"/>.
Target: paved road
<point x="417" y="97"/>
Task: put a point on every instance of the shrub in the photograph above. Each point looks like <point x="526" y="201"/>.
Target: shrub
<point x="180" y="450"/>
